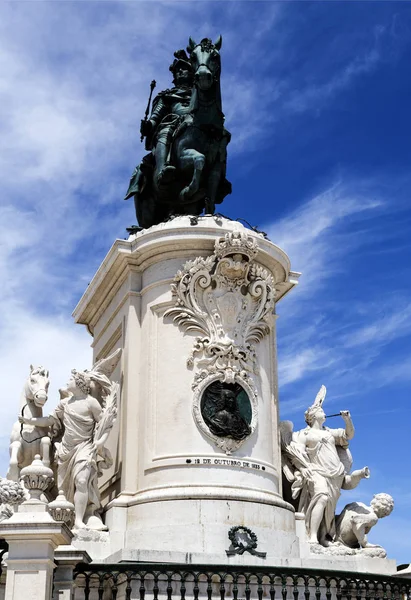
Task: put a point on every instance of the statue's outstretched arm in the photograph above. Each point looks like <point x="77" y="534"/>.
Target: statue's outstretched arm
<point x="39" y="421"/>
<point x="349" y="426"/>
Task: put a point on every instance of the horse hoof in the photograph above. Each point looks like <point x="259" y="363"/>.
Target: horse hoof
<point x="209" y="209"/>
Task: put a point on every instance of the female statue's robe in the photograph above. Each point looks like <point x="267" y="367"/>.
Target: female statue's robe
<point x="75" y="453"/>
<point x="327" y="479"/>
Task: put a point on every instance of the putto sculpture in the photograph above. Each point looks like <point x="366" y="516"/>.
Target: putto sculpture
<point x="357" y="520"/>
<point x="81" y="423"/>
<point x="317" y="464"/>
<point x="184" y="173"/>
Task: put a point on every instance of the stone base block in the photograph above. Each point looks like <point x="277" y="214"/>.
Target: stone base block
<point x="201" y="527"/>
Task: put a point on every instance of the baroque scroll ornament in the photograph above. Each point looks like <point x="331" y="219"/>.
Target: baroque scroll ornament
<point x="229" y="299"/>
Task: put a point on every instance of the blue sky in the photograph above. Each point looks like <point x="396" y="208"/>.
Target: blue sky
<point x="316" y="96"/>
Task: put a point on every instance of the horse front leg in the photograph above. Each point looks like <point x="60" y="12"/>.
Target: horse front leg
<point x="14" y="472"/>
<point x="198" y="161"/>
<point x="217" y="174"/>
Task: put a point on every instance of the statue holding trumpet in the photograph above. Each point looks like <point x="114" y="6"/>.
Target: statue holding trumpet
<point x="317" y="464"/>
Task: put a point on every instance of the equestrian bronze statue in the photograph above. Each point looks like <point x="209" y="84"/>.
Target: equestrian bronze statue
<point x="184" y="172"/>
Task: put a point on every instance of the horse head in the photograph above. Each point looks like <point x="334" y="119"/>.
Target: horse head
<point x="206" y="61"/>
<point x="37" y="385"/>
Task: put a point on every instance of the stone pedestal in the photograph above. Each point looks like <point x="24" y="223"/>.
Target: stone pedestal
<point x="32" y="536"/>
<point x="67" y="557"/>
<point x="173" y="488"/>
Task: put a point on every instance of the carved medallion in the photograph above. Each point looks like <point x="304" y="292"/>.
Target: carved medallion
<point x="229" y="299"/>
<point x="226" y="410"/>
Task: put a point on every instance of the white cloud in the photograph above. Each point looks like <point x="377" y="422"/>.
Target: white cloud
<point x="295" y="365"/>
<point x="312" y="236"/>
<point x="382" y="330"/>
<point x="315" y="97"/>
<point x="328" y="333"/>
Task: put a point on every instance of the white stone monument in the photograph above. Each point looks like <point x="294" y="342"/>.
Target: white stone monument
<point x="196" y="445"/>
<point x="170" y="448"/>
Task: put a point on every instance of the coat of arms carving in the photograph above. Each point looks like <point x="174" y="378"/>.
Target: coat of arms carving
<point x="229" y="299"/>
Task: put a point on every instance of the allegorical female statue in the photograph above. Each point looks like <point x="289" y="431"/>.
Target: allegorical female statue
<point x="317" y="463"/>
<point x="82" y="421"/>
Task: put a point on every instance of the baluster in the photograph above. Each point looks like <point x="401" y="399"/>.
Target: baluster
<point x="358" y="590"/>
<point x="142" y="587"/>
<point x="338" y="593"/>
<point x="183" y="586"/>
<point x="384" y="589"/>
<point x="295" y="587"/>
<point x="394" y="591"/>
<point x="284" y="586"/>
<point x="222" y="586"/>
<point x="306" y="587"/>
<point x="169" y="586"/>
<point x="155" y="587"/>
<point x="328" y="588"/>
<point x="235" y="586"/>
<point x="196" y="588"/>
<point x="272" y="587"/>
<point x="247" y="587"/>
<point x="100" y="590"/>
<point x="87" y="587"/>
<point x="114" y="589"/>
<point x="367" y="590"/>
<point x="209" y="586"/>
<point x="260" y="587"/>
<point x="128" y="586"/>
<point x="317" y="588"/>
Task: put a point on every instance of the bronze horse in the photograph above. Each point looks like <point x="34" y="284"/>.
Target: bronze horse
<point x="198" y="150"/>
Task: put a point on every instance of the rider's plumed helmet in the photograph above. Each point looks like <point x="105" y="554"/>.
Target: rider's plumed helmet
<point x="181" y="60"/>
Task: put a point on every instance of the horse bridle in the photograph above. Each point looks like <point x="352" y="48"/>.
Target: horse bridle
<point x="21" y="429"/>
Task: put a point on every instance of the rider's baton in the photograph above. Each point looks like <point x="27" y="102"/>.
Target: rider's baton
<point x="152" y="86"/>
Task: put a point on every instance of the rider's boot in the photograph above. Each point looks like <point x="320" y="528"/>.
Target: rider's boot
<point x="164" y="172"/>
<point x="166" y="175"/>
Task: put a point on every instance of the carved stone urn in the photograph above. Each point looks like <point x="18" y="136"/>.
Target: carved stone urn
<point x="62" y="510"/>
<point x="37" y="478"/>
